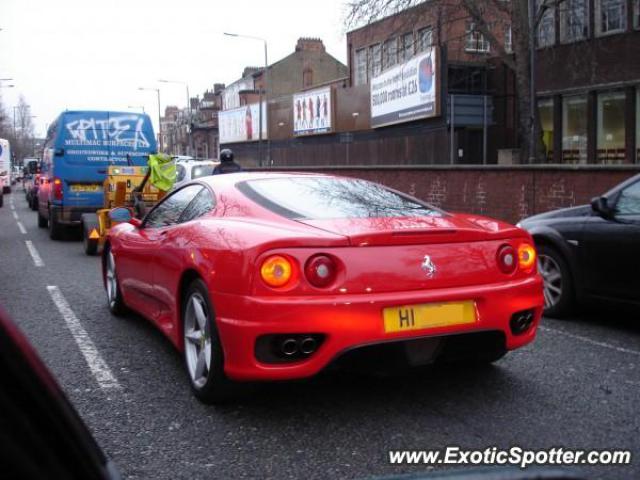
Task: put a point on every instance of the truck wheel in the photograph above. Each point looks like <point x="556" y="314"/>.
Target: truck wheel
<point x="1" y="200"/>
<point x="90" y="245"/>
<point x="55" y="228"/>
<point x="42" y="222"/>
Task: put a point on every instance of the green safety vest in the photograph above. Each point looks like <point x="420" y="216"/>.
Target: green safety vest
<point x="163" y="171"/>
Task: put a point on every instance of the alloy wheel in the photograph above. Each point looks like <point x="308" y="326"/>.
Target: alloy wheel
<point x="197" y="339"/>
<point x="112" y="281"/>
<point x="552" y="278"/>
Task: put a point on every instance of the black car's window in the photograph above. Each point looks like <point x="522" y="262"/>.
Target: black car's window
<point x="325" y="197"/>
<point x="201" y="171"/>
<point x="629" y="201"/>
<point x="180" y="173"/>
<point x="169" y="210"/>
<point x="200" y="205"/>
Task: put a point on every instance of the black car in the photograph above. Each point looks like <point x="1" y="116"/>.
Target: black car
<point x="590" y="252"/>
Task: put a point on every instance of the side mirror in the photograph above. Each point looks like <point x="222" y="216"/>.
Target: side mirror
<point x="600" y="205"/>
<point x="136" y="222"/>
<point x="120" y="215"/>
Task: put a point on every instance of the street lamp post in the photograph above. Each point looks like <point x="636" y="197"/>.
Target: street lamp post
<point x="157" y="90"/>
<point x="190" y="138"/>
<point x="267" y="82"/>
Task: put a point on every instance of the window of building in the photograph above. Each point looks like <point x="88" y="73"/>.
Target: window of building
<point x="547" y="26"/>
<point x="475" y="41"/>
<point x="574" y="20"/>
<point x="545" y="110"/>
<point x="375" y="60"/>
<point x="574" y="129"/>
<point x="636" y="14"/>
<point x="360" y="63"/>
<point x="611" y="128"/>
<point x="508" y="39"/>
<point x="389" y="53"/>
<point x="307" y="77"/>
<point x="406" y="47"/>
<point x="611" y="16"/>
<point x="425" y="39"/>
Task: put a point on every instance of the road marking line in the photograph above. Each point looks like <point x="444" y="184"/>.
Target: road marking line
<point x="97" y="365"/>
<point x="592" y="342"/>
<point x="22" y="229"/>
<point x="13" y="207"/>
<point x="37" y="260"/>
<point x="15" y="215"/>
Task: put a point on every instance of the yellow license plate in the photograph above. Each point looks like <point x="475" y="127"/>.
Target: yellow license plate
<point x="85" y="188"/>
<point x="428" y="315"/>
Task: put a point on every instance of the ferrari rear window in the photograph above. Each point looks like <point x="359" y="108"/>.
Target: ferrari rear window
<point x="329" y="198"/>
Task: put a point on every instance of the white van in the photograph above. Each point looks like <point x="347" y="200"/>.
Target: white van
<point x="5" y="165"/>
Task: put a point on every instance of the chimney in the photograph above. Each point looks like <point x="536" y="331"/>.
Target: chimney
<point x="310" y="45"/>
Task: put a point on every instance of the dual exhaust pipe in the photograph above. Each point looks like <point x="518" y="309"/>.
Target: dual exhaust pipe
<point x="295" y="346"/>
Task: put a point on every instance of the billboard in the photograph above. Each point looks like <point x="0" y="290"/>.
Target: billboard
<point x="241" y="124"/>
<point x="407" y="92"/>
<point x="312" y="112"/>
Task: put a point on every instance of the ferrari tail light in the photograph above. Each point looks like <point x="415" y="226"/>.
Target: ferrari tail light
<point x="277" y="271"/>
<point x="507" y="261"/>
<point x="526" y="257"/>
<point x="57" y="189"/>
<point x="320" y="271"/>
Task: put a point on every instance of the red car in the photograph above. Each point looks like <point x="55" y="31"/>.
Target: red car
<point x="276" y="276"/>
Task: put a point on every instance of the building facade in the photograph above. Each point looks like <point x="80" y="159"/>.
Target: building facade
<point x="588" y="82"/>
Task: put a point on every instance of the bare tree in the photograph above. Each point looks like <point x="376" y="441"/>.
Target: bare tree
<point x="483" y="14"/>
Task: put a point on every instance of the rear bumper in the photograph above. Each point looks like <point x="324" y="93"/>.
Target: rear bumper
<point x="71" y="215"/>
<point x="353" y="321"/>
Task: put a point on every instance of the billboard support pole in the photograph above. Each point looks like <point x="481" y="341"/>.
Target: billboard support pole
<point x="484" y="129"/>
<point x="452" y="122"/>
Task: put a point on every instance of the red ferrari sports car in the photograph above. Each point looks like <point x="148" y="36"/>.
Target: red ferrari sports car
<point x="276" y="276"/>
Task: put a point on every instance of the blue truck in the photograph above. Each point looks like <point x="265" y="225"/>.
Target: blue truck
<point x="79" y="148"/>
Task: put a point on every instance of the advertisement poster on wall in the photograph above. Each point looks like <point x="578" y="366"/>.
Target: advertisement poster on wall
<point x="406" y="92"/>
<point x="312" y="112"/>
<point x="241" y="124"/>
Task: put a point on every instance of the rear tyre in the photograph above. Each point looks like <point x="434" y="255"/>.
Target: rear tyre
<point x="204" y="358"/>
<point x="558" y="284"/>
<point x="42" y="221"/>
<point x="56" y="230"/>
<point x="114" y="295"/>
<point x="1" y="200"/>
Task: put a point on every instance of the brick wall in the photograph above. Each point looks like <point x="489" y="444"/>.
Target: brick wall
<point x="508" y="193"/>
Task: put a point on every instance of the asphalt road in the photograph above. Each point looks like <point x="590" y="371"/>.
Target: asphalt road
<point x="577" y="386"/>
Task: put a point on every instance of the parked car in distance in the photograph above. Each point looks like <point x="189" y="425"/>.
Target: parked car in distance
<point x="5" y="165"/>
<point x="79" y="148"/>
<point x="187" y="170"/>
<point x="289" y="273"/>
<point x="590" y="252"/>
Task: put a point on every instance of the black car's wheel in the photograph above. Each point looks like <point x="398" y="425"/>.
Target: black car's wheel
<point x="203" y="353"/>
<point x="114" y="295"/>
<point x="42" y="221"/>
<point x="56" y="230"/>
<point x="558" y="284"/>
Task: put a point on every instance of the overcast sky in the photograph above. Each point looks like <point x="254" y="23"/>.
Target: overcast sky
<point x="72" y="54"/>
